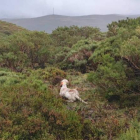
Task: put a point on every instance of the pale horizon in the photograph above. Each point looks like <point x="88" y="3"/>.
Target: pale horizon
<point x="39" y="8"/>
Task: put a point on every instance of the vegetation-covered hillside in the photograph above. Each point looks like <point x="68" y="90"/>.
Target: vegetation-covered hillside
<point x="104" y="67"/>
<point x="9" y="28"/>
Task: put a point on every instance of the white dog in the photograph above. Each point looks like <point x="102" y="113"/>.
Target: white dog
<point x="70" y="94"/>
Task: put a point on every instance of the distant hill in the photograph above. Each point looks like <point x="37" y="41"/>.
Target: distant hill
<point x="51" y="22"/>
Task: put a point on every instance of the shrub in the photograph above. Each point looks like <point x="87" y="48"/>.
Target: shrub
<point x="132" y="133"/>
<point x="68" y="36"/>
<point x="10" y="78"/>
<point x="25" y="49"/>
<point x="78" y="56"/>
<point x="117" y="59"/>
<point x="28" y="112"/>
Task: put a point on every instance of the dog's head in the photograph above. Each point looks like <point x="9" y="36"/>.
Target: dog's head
<point x="64" y="82"/>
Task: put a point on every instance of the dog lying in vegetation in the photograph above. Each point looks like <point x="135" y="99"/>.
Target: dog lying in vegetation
<point x="71" y="94"/>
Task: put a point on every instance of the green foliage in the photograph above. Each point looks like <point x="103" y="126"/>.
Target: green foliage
<point x="25" y="49"/>
<point x="129" y="24"/>
<point x="110" y="78"/>
<point x="30" y="111"/>
<point x="77" y="56"/>
<point x="9" y="78"/>
<point x="133" y="133"/>
<point x="9" y="28"/>
<point x="118" y="71"/>
<point x="130" y="51"/>
<point x="30" y="73"/>
<point x="68" y="36"/>
<point x="49" y="75"/>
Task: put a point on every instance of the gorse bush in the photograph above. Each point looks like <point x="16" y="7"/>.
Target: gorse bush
<point x="117" y="61"/>
<point x="48" y="74"/>
<point x="32" y="64"/>
<point x="25" y="49"/>
<point x="77" y="57"/>
<point x="10" y="78"/>
<point x="30" y="112"/>
<point x="7" y="29"/>
<point x="68" y="36"/>
<point x="34" y="49"/>
<point x="133" y="133"/>
<point x="128" y="24"/>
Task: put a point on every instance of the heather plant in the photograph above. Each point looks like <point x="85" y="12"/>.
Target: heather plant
<point x="132" y="133"/>
<point x="32" y="64"/>
<point x="30" y="112"/>
<point x="9" y="28"/>
<point x="47" y="75"/>
<point x="8" y="78"/>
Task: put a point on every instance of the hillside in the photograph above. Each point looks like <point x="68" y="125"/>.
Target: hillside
<point x="9" y="28"/>
<point x="103" y="67"/>
<point x="51" y="22"/>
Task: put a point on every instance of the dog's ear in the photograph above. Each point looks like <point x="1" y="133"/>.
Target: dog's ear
<point x="56" y="80"/>
<point x="61" y="84"/>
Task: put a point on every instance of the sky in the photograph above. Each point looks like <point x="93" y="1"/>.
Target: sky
<point x="37" y="8"/>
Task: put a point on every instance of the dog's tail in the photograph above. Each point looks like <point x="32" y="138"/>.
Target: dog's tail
<point x="77" y="97"/>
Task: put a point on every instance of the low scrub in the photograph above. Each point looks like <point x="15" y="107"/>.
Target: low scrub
<point x="29" y="110"/>
<point x="133" y="133"/>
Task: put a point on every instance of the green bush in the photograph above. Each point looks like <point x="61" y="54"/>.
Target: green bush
<point x="118" y="65"/>
<point x="132" y="133"/>
<point x="68" y="36"/>
<point x="78" y="56"/>
<point x="25" y="49"/>
<point x="10" y="78"/>
<point x="28" y="112"/>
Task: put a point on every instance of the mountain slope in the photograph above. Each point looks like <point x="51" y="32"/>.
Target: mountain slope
<point x="51" y="22"/>
<point x="9" y="28"/>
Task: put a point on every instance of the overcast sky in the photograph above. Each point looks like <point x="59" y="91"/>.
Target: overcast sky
<point x="36" y="8"/>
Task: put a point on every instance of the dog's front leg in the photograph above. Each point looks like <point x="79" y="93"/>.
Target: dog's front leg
<point x="70" y="101"/>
